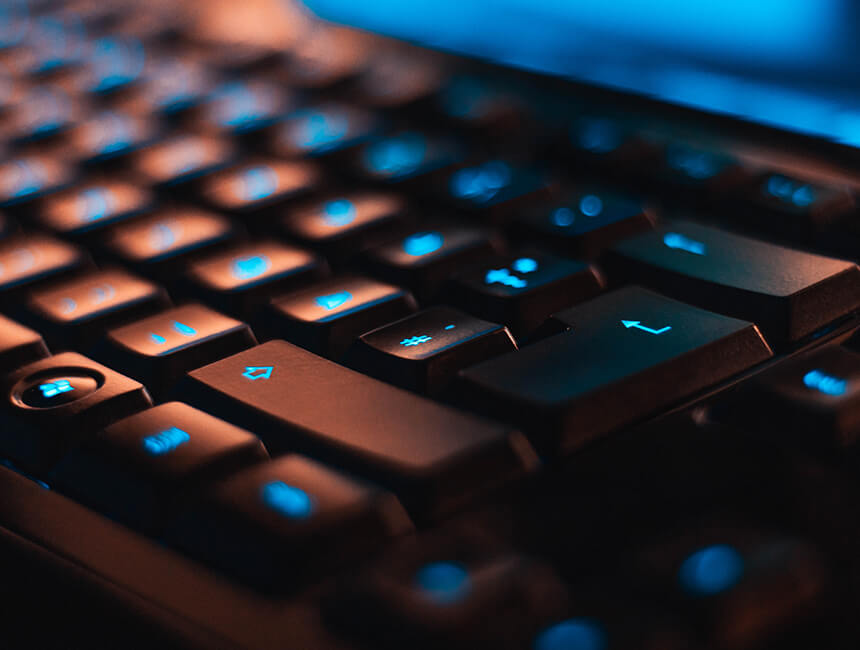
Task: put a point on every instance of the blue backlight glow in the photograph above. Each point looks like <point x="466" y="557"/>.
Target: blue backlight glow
<point x="563" y="217"/>
<point x="505" y="277"/>
<point x="340" y="212"/>
<point x="789" y="191"/>
<point x="678" y="241"/>
<point x="480" y="184"/>
<point x="54" y="388"/>
<point x="396" y="156"/>
<point x="182" y="328"/>
<point x="23" y="178"/>
<point x="525" y="265"/>
<point x="319" y="129"/>
<point x="158" y="339"/>
<point x="414" y="341"/>
<point x="257" y="183"/>
<point x="711" y="570"/>
<point x="248" y="268"/>
<point x="423" y="243"/>
<point x="590" y="205"/>
<point x="333" y="300"/>
<point x="288" y="500"/>
<point x="258" y="372"/>
<point x="443" y="582"/>
<point x="572" y="634"/>
<point x="166" y="441"/>
<point x="825" y="383"/>
<point x="94" y="204"/>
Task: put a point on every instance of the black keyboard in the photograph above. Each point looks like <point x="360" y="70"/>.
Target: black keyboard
<point x="350" y="345"/>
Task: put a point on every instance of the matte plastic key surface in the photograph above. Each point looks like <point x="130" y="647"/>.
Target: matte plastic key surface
<point x="628" y="354"/>
<point x="26" y="260"/>
<point x="788" y="293"/>
<point x="432" y="456"/>
<point x="19" y="345"/>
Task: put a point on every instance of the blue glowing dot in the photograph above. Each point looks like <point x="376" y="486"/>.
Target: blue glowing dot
<point x="504" y="276"/>
<point x="790" y="191"/>
<point x="598" y="135"/>
<point x="423" y="243"/>
<point x="257" y="183"/>
<point x="711" y="570"/>
<point x="396" y="156"/>
<point x="166" y="441"/>
<point x="572" y="634"/>
<point x="678" y="241"/>
<point x="413" y="341"/>
<point x="480" y="184"/>
<point x="317" y="130"/>
<point x="563" y="217"/>
<point x="803" y="196"/>
<point x="247" y="268"/>
<point x="102" y="293"/>
<point x="162" y="236"/>
<point x="258" y="372"/>
<point x="94" y="203"/>
<point x="525" y="265"/>
<point x="443" y="582"/>
<point x="333" y="300"/>
<point x="56" y="387"/>
<point x="288" y="500"/>
<point x="590" y="205"/>
<point x="182" y="328"/>
<point x="158" y="339"/>
<point x="340" y="212"/>
<point x="449" y="327"/>
<point x="824" y="383"/>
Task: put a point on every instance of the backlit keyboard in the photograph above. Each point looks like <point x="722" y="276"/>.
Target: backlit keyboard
<point x="350" y="345"/>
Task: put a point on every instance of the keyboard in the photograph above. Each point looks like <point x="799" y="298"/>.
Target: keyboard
<point x="346" y="345"/>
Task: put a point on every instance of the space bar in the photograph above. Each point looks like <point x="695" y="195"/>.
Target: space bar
<point x="432" y="456"/>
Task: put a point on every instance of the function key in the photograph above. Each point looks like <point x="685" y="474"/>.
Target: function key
<point x="406" y="156"/>
<point x="341" y="227"/>
<point x="110" y="135"/>
<point x="19" y="345"/>
<point x="28" y="259"/>
<point x="243" y="106"/>
<point x="423" y="260"/>
<point x="89" y="208"/>
<point x="282" y="523"/>
<point x="27" y="178"/>
<point x="159" y="349"/>
<point x="181" y="159"/>
<point x="788" y="293"/>
<point x="585" y="223"/>
<point x="77" y="311"/>
<point x="52" y="404"/>
<point x="327" y="317"/>
<point x="138" y="469"/>
<point x="321" y="131"/>
<point x="242" y="279"/>
<point x="423" y="352"/>
<point x="523" y="291"/>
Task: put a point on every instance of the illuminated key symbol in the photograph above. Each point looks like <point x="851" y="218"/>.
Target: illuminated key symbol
<point x="637" y="324"/>
<point x="678" y="241"/>
<point x="163" y="235"/>
<point x="525" y="265"/>
<point x="422" y="243"/>
<point x="102" y="293"/>
<point x="449" y="327"/>
<point x="319" y="129"/>
<point x="94" y="203"/>
<point x="257" y="183"/>
<point x="246" y="268"/>
<point x="824" y="383"/>
<point x="287" y="500"/>
<point x="504" y="276"/>
<point x="339" y="212"/>
<point x="333" y="300"/>
<point x="54" y="388"/>
<point x="257" y="372"/>
<point x="157" y="339"/>
<point x="415" y="340"/>
<point x="68" y="305"/>
<point x="182" y="328"/>
<point x="166" y="441"/>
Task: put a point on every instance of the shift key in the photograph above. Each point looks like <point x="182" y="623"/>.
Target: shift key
<point x="432" y="456"/>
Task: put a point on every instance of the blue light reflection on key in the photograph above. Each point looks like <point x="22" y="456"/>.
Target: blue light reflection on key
<point x="397" y="155"/>
<point x="505" y="277"/>
<point x="790" y="191"/>
<point x="333" y="300"/>
<point x="157" y="339"/>
<point x="711" y="570"/>
<point x="94" y="204"/>
<point x="525" y="265"/>
<point x="166" y="441"/>
<point x="572" y="634"/>
<point x="678" y="241"/>
<point x="248" y="268"/>
<point x="319" y="129"/>
<point x="23" y="177"/>
<point x="340" y="212"/>
<point x="53" y="388"/>
<point x="598" y="135"/>
<point x="288" y="500"/>
<point x="182" y="328"/>
<point x="443" y="582"/>
<point x="563" y="217"/>
<point x="111" y="133"/>
<point x="825" y="383"/>
<point x="480" y="184"/>
<point x="163" y="235"/>
<point x="423" y="243"/>
<point x="257" y="183"/>
<point x="695" y="164"/>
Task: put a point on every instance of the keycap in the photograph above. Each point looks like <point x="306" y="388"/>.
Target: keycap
<point x="243" y="106"/>
<point x="113" y="64"/>
<point x="430" y="455"/>
<point x="328" y="316"/>
<point x="813" y="203"/>
<point x="54" y="403"/>
<point x="788" y="293"/>
<point x="812" y="400"/>
<point x="19" y="345"/>
<point x="140" y="469"/>
<point x="288" y="521"/>
<point x="259" y="187"/>
<point x="700" y="174"/>
<point x="628" y="354"/>
<point x="236" y="58"/>
<point x="522" y="291"/>
<point x="424" y="351"/>
<point x="172" y="89"/>
<point x="110" y="136"/>
<point x="424" y="259"/>
<point x="76" y="312"/>
<point x="181" y="159"/>
<point x="398" y="80"/>
<point x="479" y="103"/>
<point x="88" y="208"/>
<point x="42" y="112"/>
<point x="326" y="58"/>
<point x="26" y="260"/>
<point x="584" y="223"/>
<point x="406" y="158"/>
<point x="158" y="349"/>
<point x="321" y="131"/>
<point x="241" y="279"/>
<point x="26" y="178"/>
<point x="159" y="242"/>
<point x="608" y="142"/>
<point x="342" y="226"/>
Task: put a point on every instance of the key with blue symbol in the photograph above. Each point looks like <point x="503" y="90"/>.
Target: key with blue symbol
<point x="177" y="162"/>
<point x="242" y="107"/>
<point x="26" y="261"/>
<point x="139" y="469"/>
<point x="406" y="158"/>
<point x="807" y="205"/>
<point x="424" y="351"/>
<point x="282" y="522"/>
<point x="111" y="136"/>
<point x="609" y="142"/>
<point x="328" y="316"/>
<point x="27" y="178"/>
<point x="323" y="131"/>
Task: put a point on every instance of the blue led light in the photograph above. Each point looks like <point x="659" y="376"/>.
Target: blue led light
<point x="158" y="339"/>
<point x="396" y="156"/>
<point x="116" y="62"/>
<point x="678" y="241"/>
<point x="288" y="500"/>
<point x="54" y="388"/>
<point x="449" y="327"/>
<point x="247" y="268"/>
<point x="465" y="97"/>
<point x="572" y="634"/>
<point x="166" y="441"/>
<point x="257" y="183"/>
<point x="790" y="191"/>
<point x="413" y="341"/>
<point x="182" y="328"/>
<point x="443" y="582"/>
<point x="711" y="570"/>
<point x="258" y="372"/>
<point x="318" y="129"/>
<point x="423" y="243"/>
<point x="68" y="305"/>
<point x="333" y="300"/>
<point x="824" y="383"/>
<point x="590" y="205"/>
<point x="505" y="277"/>
<point x="563" y="217"/>
<point x="340" y="212"/>
<point x="525" y="265"/>
<point x="94" y="203"/>
<point x="480" y="184"/>
<point x="638" y="325"/>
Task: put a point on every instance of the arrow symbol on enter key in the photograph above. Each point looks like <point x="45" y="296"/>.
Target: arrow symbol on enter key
<point x="637" y="324"/>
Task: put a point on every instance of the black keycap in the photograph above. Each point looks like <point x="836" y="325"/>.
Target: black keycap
<point x="41" y="113"/>
<point x="585" y="223"/>
<point x="699" y="174"/>
<point x="327" y="317"/>
<point x="113" y="64"/>
<point x="172" y="89"/>
<point x="158" y="349"/>
<point x="321" y="131"/>
<point x="432" y="456"/>
<point x="109" y="136"/>
<point x="326" y="58"/>
<point x="788" y="293"/>
<point x="813" y="400"/>
<point x="160" y="242"/>
<point x="287" y="521"/>
<point x="522" y="291"/>
<point x="175" y="162"/>
<point x="26" y="178"/>
<point x="398" y="80"/>
<point x="608" y="143"/>
<point x="86" y="209"/>
<point x="479" y="103"/>
<point x="808" y="202"/>
<point x="26" y="260"/>
<point x="235" y="58"/>
<point x="19" y="345"/>
<point x="406" y="159"/>
<point x="341" y="227"/>
<point x="138" y="469"/>
<point x="54" y="44"/>
<point x="76" y="312"/>
<point x="423" y="352"/>
<point x="423" y="260"/>
<point x="52" y="404"/>
<point x="240" y="280"/>
<point x="629" y="353"/>
<point x="243" y="106"/>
